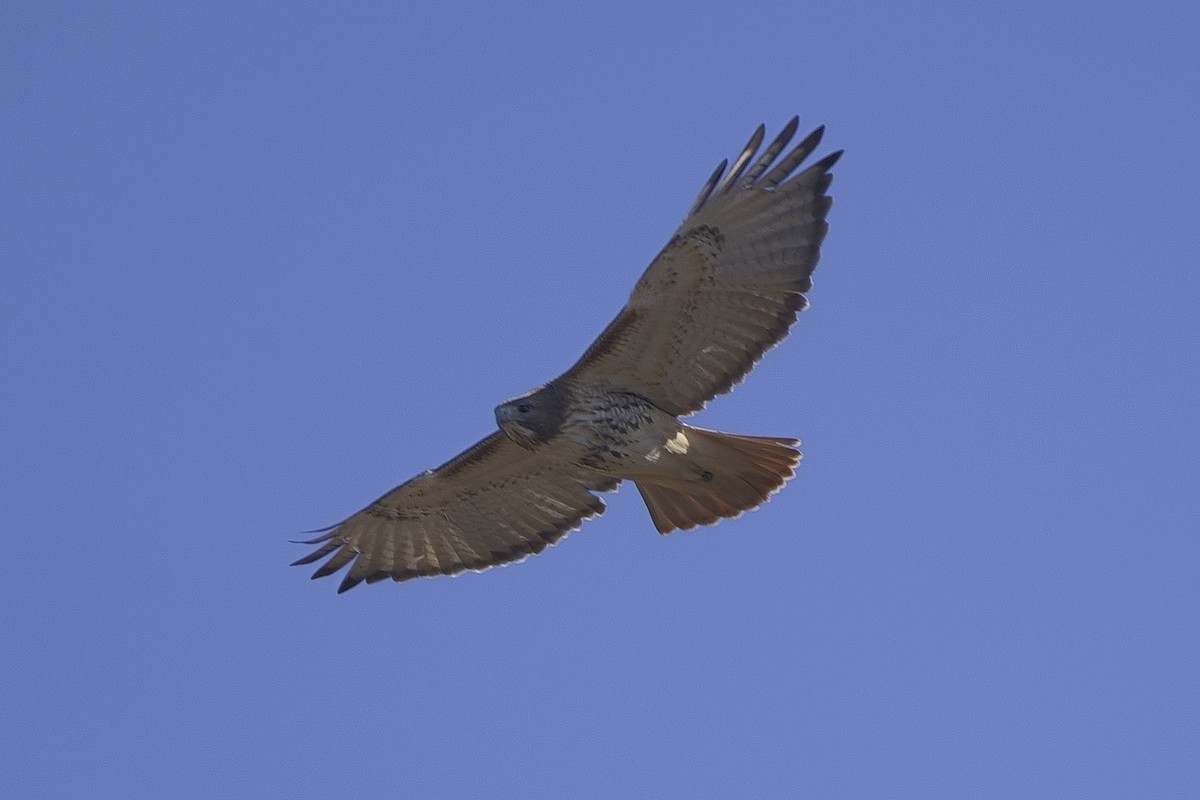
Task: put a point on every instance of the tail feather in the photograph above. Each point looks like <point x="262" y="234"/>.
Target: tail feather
<point x="728" y="474"/>
<point x="669" y="510"/>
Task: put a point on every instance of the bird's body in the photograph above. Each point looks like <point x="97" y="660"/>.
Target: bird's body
<point x="623" y="436"/>
<point x="600" y="430"/>
<point x="726" y="288"/>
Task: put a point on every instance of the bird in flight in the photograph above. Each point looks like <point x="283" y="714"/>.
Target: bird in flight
<point x="724" y="290"/>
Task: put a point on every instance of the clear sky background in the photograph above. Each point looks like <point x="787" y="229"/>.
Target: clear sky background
<point x="261" y="262"/>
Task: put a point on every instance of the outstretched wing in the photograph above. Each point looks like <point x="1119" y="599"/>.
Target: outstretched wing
<point x="728" y="285"/>
<point x="492" y="504"/>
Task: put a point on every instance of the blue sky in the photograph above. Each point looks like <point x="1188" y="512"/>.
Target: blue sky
<point x="259" y="263"/>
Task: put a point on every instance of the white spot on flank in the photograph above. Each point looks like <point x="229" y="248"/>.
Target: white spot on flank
<point x="678" y="444"/>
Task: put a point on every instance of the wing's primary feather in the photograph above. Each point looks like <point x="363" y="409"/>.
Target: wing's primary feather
<point x="748" y="152"/>
<point x="728" y="285"/>
<point x="493" y="504"/>
<point x="776" y="147"/>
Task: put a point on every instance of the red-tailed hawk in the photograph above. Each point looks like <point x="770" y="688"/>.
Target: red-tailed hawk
<point x="722" y="292"/>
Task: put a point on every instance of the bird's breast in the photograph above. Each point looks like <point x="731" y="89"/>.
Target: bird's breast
<point x="610" y="431"/>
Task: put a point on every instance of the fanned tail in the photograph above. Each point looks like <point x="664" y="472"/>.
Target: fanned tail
<point x="735" y="474"/>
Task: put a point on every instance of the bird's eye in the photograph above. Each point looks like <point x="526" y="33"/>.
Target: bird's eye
<point x="523" y="408"/>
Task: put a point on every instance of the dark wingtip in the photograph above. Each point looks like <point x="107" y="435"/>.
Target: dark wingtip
<point x="760" y="133"/>
<point x="790" y="129"/>
<point x="828" y="161"/>
<point x="322" y="551"/>
<point x="347" y="584"/>
<point x="317" y="540"/>
<point x="709" y="186"/>
<point x="810" y="142"/>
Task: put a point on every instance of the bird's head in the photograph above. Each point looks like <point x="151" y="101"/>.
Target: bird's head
<point x="534" y="417"/>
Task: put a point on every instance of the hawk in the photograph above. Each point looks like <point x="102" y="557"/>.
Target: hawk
<point x="724" y="290"/>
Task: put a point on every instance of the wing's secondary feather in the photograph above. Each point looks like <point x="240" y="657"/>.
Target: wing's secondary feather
<point x="729" y="284"/>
